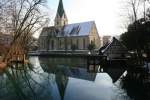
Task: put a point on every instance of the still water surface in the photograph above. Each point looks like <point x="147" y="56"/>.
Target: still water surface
<point x="60" y="79"/>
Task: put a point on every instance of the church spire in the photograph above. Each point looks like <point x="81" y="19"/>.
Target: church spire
<point x="60" y="10"/>
<point x="61" y="18"/>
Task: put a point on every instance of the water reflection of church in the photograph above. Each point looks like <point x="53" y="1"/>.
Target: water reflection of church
<point x="63" y="73"/>
<point x="70" y="78"/>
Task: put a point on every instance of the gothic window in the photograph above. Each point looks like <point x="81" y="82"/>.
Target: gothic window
<point x="94" y="40"/>
<point x="60" y="43"/>
<point x="52" y="44"/>
<point x="83" y="43"/>
<point x="71" y="42"/>
<point x="77" y="43"/>
<point x="91" y="41"/>
<point x="43" y="43"/>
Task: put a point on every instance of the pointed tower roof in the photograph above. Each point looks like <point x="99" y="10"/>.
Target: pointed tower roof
<point x="60" y="10"/>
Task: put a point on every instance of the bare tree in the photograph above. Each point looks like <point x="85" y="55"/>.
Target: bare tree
<point x="133" y="10"/>
<point x="24" y="18"/>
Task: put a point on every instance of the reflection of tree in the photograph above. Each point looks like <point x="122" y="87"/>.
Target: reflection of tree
<point x="136" y="89"/>
<point x="26" y="85"/>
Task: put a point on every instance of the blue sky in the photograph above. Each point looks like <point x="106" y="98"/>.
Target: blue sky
<point x="106" y="13"/>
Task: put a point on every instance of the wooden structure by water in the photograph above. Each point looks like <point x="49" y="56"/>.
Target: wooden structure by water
<point x="14" y="56"/>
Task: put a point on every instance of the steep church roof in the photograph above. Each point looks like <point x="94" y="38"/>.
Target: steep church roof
<point x="60" y="10"/>
<point x="77" y="29"/>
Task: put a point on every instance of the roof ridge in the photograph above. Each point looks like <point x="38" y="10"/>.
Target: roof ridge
<point x="81" y="22"/>
<point x="83" y="28"/>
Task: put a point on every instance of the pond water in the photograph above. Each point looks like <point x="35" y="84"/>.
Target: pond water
<point x="60" y="79"/>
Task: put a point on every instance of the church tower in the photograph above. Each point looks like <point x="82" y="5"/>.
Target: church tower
<point x="61" y="18"/>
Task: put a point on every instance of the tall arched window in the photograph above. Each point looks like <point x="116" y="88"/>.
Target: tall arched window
<point x="94" y="41"/>
<point x="57" y="22"/>
<point x="83" y="43"/>
<point x="59" y="43"/>
<point x="71" y="42"/>
<point x="52" y="44"/>
<point x="77" y="43"/>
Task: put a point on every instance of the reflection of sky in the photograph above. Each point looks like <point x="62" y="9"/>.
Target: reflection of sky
<point x="55" y="92"/>
<point x="100" y="89"/>
<point x="35" y="62"/>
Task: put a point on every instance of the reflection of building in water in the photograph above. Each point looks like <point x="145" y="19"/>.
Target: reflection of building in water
<point x="62" y="82"/>
<point x="78" y="72"/>
<point x="64" y="36"/>
<point x="67" y="70"/>
<point x="114" y="73"/>
<point x="75" y="72"/>
<point x="53" y="62"/>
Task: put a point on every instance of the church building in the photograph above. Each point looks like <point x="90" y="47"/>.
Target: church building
<point x="67" y="37"/>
